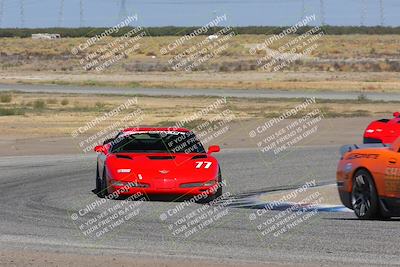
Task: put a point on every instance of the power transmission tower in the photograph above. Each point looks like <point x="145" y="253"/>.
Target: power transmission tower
<point x="303" y="9"/>
<point x="61" y="14"/>
<point x="81" y="13"/>
<point x="322" y="11"/>
<point x="382" y="12"/>
<point x="363" y="12"/>
<point x="22" y="12"/>
<point x="122" y="10"/>
<point x="1" y="11"/>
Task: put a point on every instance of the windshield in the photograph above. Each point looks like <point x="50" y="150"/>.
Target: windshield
<point x="157" y="142"/>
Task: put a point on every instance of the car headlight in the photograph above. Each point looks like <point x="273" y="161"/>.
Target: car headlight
<point x="370" y="131"/>
<point x="124" y="170"/>
<point x="128" y="184"/>
<point x="118" y="183"/>
<point x="209" y="183"/>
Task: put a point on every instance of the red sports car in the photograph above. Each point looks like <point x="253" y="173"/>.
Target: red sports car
<point x="383" y="131"/>
<point x="157" y="161"/>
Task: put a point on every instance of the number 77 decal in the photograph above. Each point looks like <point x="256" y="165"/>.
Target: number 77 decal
<point x="200" y="163"/>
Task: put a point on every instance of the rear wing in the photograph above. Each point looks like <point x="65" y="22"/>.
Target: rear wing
<point x="348" y="148"/>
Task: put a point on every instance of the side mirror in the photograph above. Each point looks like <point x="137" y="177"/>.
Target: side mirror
<point x="213" y="149"/>
<point x="396" y="114"/>
<point x="100" y="149"/>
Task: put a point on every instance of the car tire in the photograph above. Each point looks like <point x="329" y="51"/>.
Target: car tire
<point x="364" y="197"/>
<point x="103" y="185"/>
<point x="217" y="194"/>
<point x="219" y="190"/>
<point x="98" y="181"/>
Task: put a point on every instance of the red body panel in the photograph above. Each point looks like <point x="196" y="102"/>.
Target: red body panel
<point x="383" y="131"/>
<point x="159" y="173"/>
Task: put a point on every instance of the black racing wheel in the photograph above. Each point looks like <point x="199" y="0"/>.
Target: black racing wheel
<point x="364" y="197"/>
<point x="98" y="181"/>
<point x="103" y="185"/>
<point x="219" y="190"/>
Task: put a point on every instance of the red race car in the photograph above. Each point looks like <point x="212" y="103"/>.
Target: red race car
<point x="157" y="161"/>
<point x="383" y="131"/>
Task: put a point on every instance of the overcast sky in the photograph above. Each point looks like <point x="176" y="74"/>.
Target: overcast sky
<point x="46" y="13"/>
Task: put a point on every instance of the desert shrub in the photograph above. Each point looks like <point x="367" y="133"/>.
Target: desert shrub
<point x="100" y="105"/>
<point x="51" y="101"/>
<point x="5" y="98"/>
<point x="39" y="104"/>
<point x="11" y="111"/>
<point x="64" y="102"/>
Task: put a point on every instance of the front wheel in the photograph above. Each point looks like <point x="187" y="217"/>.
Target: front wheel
<point x="364" y="197"/>
<point x="98" y="181"/>
<point x="103" y="192"/>
<point x="218" y="192"/>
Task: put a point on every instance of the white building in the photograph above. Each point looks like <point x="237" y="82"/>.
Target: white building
<point x="46" y="36"/>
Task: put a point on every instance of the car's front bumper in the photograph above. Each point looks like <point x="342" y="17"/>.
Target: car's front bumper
<point x="344" y="195"/>
<point x="162" y="188"/>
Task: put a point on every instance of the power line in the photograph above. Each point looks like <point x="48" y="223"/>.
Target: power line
<point x="303" y="9"/>
<point x="22" y="12"/>
<point x="122" y="10"/>
<point x="322" y="11"/>
<point x="61" y="14"/>
<point x="1" y="11"/>
<point x="366" y="11"/>
<point x="81" y="21"/>
<point x="363" y="12"/>
<point x="382" y="12"/>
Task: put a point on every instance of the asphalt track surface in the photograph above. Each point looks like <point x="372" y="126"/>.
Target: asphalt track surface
<point x="248" y="93"/>
<point x="39" y="194"/>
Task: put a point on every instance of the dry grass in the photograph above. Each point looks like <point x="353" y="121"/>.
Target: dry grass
<point x="343" y="63"/>
<point x="337" y="46"/>
<point x="5" y="98"/>
<point x="314" y="81"/>
<point x="22" y="115"/>
<point x="40" y="55"/>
